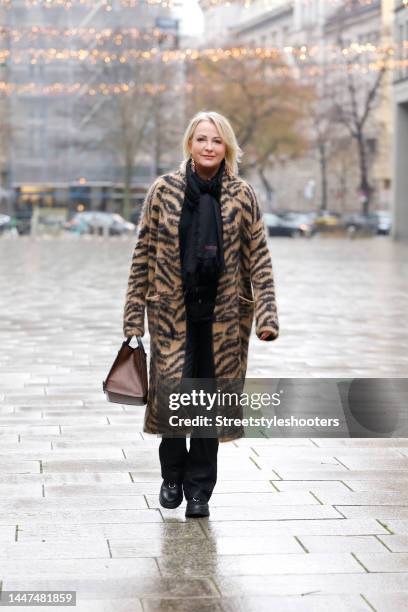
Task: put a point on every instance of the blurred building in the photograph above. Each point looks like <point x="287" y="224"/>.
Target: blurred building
<point x="400" y="192"/>
<point x="315" y="23"/>
<point x="67" y="69"/>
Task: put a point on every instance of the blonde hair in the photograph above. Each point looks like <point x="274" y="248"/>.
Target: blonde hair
<point x="233" y="151"/>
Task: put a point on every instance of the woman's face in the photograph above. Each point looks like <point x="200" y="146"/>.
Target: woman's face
<point x="207" y="148"/>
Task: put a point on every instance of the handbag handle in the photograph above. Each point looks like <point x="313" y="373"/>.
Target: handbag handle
<point x="139" y="342"/>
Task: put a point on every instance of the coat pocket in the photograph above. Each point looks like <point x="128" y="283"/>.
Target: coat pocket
<point x="246" y="316"/>
<point x="245" y="300"/>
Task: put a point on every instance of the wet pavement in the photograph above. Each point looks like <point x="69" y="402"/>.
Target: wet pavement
<point x="296" y="524"/>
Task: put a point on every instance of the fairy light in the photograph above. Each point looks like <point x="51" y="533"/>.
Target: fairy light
<point x="154" y="89"/>
<point x="302" y="53"/>
<point x="89" y="35"/>
<point x="106" y="4"/>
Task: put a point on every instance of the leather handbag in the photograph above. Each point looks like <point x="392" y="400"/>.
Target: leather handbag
<point x="126" y="382"/>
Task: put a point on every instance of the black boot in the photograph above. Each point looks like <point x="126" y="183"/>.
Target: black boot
<point x="197" y="507"/>
<point x="171" y="494"/>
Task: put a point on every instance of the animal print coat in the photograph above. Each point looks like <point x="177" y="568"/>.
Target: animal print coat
<point x="246" y="288"/>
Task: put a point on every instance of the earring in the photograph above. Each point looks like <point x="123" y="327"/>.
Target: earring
<point x="193" y="164"/>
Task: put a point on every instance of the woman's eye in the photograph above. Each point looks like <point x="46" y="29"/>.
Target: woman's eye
<point x="215" y="141"/>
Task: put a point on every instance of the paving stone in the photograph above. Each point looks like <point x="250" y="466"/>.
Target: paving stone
<point x="396" y="543"/>
<point x="158" y="531"/>
<point x="296" y="527"/>
<point x="329" y="474"/>
<point x="255" y="513"/>
<point x="396" y="484"/>
<point x="324" y="453"/>
<point x="96" y="465"/>
<point x="107" y="605"/>
<point x="7" y="533"/>
<point x="310" y="485"/>
<point x="386" y="602"/>
<point x="43" y="504"/>
<point x="373" y="443"/>
<point x="297" y="584"/>
<point x="306" y="603"/>
<point x="81" y="516"/>
<point x="37" y="429"/>
<point x="84" y="548"/>
<point x="384" y="561"/>
<point x="67" y="478"/>
<point x="276" y="442"/>
<point x="258" y="565"/>
<point x="93" y="568"/>
<point x="117" y="587"/>
<point x="50" y="454"/>
<point x="10" y="492"/>
<point x="364" y="498"/>
<point x="244" y="545"/>
<point x="208" y="604"/>
<point x="398" y="526"/>
<point x="85" y="490"/>
<point x="378" y="512"/>
<point x="251" y="500"/>
<point x="307" y="464"/>
<point x="19" y="467"/>
<point x="334" y="543"/>
<point x="365" y="463"/>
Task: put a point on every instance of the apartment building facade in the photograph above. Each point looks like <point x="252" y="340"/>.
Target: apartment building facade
<point x="67" y="67"/>
<point x="400" y="107"/>
<point x="288" y="25"/>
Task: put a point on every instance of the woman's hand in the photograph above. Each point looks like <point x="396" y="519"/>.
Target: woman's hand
<point x="266" y="335"/>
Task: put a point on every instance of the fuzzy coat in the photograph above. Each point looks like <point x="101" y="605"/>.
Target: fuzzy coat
<point x="245" y="290"/>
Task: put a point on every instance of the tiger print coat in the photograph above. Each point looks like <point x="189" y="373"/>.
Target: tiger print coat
<point x="246" y="287"/>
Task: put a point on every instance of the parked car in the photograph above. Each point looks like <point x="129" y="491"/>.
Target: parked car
<point x="94" y="221"/>
<point x="376" y="222"/>
<point x="23" y="218"/>
<point x="302" y="222"/>
<point x="5" y="223"/>
<point x="359" y="222"/>
<point x="277" y="226"/>
<point x="384" y="222"/>
<point x="328" y="218"/>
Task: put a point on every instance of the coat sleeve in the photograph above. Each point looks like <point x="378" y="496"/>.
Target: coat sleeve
<point x="266" y="316"/>
<point x="134" y="309"/>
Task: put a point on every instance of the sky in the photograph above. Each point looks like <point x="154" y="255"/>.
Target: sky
<point x="192" y="18"/>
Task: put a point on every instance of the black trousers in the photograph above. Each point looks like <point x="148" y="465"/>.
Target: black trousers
<point x="196" y="468"/>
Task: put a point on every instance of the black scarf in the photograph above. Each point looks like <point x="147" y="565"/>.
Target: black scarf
<point x="201" y="241"/>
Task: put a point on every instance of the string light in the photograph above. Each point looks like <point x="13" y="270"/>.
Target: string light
<point x="90" y="35"/>
<point x="106" y="4"/>
<point x="303" y="53"/>
<point x="153" y="89"/>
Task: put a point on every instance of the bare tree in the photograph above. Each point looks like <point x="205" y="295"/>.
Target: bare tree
<point x="355" y="95"/>
<point x="264" y="103"/>
<point x="121" y="111"/>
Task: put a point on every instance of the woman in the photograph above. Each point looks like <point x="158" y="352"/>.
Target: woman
<point x="201" y="250"/>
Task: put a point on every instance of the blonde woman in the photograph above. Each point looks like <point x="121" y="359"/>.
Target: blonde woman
<point x="202" y="269"/>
